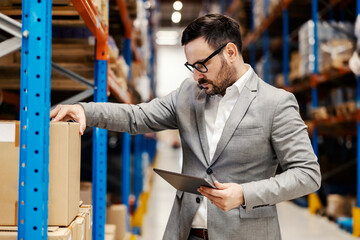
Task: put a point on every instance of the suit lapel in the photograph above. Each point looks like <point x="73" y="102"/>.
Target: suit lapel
<point x="247" y="95"/>
<point x="200" y="123"/>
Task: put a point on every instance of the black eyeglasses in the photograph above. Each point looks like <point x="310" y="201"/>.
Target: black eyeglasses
<point x="200" y="66"/>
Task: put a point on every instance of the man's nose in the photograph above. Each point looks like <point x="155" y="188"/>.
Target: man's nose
<point x="198" y="75"/>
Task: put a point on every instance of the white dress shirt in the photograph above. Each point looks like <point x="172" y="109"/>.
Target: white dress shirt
<point x="217" y="111"/>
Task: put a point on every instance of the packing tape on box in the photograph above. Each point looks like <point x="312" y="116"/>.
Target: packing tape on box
<point x="70" y="228"/>
<point x="17" y="133"/>
<point x="16" y="212"/>
<point x="83" y="231"/>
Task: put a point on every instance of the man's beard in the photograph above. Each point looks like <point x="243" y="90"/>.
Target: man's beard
<point x="225" y="78"/>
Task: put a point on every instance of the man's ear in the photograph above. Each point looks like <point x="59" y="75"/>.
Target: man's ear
<point x="231" y="52"/>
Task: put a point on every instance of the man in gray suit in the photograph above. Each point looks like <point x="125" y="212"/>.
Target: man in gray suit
<point x="235" y="130"/>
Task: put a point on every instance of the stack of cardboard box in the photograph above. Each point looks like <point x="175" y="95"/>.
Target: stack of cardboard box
<point x="65" y="219"/>
<point x="116" y="215"/>
<point x="335" y="46"/>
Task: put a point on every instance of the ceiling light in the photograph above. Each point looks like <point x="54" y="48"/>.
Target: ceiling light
<point x="176" y="17"/>
<point x="177" y="5"/>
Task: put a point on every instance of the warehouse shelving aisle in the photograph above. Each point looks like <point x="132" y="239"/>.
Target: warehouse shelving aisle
<point x="162" y="194"/>
<point x="296" y="223"/>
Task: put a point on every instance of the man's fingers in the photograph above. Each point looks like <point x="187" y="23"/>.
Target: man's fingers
<point x="209" y="193"/>
<point x="221" y="186"/>
<point x="82" y="126"/>
<point x="70" y="112"/>
<point x="55" y="111"/>
<point x="61" y="114"/>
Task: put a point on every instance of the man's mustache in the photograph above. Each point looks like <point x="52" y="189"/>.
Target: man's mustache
<point x="202" y="81"/>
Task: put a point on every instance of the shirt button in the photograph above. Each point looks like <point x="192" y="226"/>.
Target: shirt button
<point x="209" y="171"/>
<point x="198" y="200"/>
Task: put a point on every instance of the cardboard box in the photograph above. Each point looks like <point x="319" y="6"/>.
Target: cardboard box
<point x="9" y="172"/>
<point x="77" y="228"/>
<point x="86" y="212"/>
<point x="74" y="228"/>
<point x="109" y="237"/>
<point x="57" y="234"/>
<point x="127" y="236"/>
<point x="86" y="192"/>
<point x="64" y="173"/>
<point x="60" y="234"/>
<point x="110" y="229"/>
<point x="116" y="214"/>
<point x="85" y="226"/>
<point x="338" y="206"/>
<point x="75" y="231"/>
<point x="80" y="228"/>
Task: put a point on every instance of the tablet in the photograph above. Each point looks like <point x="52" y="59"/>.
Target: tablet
<point x="184" y="182"/>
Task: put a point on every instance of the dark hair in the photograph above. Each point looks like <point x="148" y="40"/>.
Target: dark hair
<point x="217" y="29"/>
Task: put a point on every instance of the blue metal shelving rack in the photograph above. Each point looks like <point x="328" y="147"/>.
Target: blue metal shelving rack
<point x="314" y="95"/>
<point x="34" y="119"/>
<point x="356" y="210"/>
<point x="126" y="148"/>
<point x="99" y="177"/>
<point x="266" y="46"/>
<point x="285" y="37"/>
<point x="252" y="45"/>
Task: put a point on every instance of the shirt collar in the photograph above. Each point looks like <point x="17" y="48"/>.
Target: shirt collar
<point x="240" y="83"/>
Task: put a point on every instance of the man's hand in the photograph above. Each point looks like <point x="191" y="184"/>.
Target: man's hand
<point x="226" y="197"/>
<point x="69" y="112"/>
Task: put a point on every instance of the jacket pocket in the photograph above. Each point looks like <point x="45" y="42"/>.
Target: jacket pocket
<point x="260" y="212"/>
<point x="241" y="131"/>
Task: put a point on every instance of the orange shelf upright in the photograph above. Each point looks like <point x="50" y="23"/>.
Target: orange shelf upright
<point x="92" y="19"/>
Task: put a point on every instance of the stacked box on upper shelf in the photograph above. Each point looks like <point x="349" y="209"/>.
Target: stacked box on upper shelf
<point x="259" y="13"/>
<point x="335" y="45"/>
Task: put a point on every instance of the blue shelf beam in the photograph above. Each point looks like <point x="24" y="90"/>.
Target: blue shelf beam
<point x="314" y="94"/>
<point x="34" y="119"/>
<point x="266" y="46"/>
<point x="266" y="64"/>
<point x="138" y="171"/>
<point x="252" y="44"/>
<point x="99" y="156"/>
<point x="99" y="177"/>
<point x="286" y="47"/>
<point x="358" y="124"/>
<point x="356" y="209"/>
<point x="126" y="148"/>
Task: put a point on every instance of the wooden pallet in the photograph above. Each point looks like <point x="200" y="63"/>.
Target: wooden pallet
<point x="19" y="2"/>
<point x="74" y="54"/>
<point x="62" y="14"/>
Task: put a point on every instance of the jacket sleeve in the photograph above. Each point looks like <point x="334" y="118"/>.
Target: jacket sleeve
<point x="157" y="115"/>
<point x="291" y="143"/>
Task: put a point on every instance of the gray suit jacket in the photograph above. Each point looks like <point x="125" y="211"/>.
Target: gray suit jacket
<point x="264" y="130"/>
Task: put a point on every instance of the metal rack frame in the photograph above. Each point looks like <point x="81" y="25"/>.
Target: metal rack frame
<point x="34" y="120"/>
